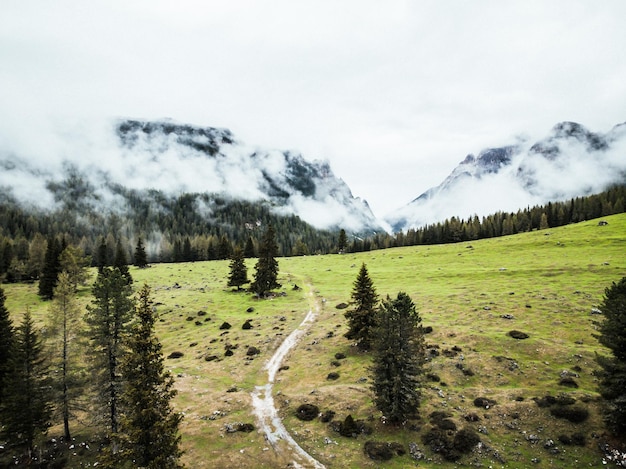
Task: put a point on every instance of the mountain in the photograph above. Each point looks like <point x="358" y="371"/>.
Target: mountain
<point x="570" y="161"/>
<point x="156" y="160"/>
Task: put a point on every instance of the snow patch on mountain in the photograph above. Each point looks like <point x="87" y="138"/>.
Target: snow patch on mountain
<point x="96" y="164"/>
<point x="569" y="162"/>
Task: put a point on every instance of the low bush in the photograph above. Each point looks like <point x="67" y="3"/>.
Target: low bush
<point x="575" y="414"/>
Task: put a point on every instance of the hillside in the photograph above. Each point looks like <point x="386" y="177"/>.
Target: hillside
<point x="544" y="283"/>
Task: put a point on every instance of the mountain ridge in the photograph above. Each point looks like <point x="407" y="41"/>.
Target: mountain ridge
<point x="570" y="161"/>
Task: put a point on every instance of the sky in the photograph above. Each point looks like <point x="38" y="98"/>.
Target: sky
<point x="393" y="94"/>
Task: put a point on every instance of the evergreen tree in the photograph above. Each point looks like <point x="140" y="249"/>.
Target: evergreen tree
<point x="107" y="319"/>
<point x="121" y="263"/>
<point x="399" y="354"/>
<point x="148" y="432"/>
<point x="613" y="336"/>
<point x="342" y="244"/>
<point x="51" y="270"/>
<point x="238" y="271"/>
<point x="74" y="263"/>
<point x="102" y="256"/>
<point x="6" y="341"/>
<point x="64" y="314"/>
<point x="362" y="315"/>
<point x="26" y="408"/>
<point x="141" y="259"/>
<point x="266" y="269"/>
<point x="248" y="251"/>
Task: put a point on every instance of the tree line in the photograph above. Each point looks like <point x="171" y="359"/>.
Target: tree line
<point x="180" y="233"/>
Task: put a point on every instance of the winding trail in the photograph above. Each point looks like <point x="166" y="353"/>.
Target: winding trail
<point x="265" y="410"/>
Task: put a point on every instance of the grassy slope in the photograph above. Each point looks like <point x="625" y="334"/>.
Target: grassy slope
<point x="547" y="280"/>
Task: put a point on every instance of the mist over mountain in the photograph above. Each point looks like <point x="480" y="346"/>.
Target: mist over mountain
<point x="103" y="169"/>
<point x="570" y="161"/>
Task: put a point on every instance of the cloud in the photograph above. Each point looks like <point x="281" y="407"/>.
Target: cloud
<point x="405" y="87"/>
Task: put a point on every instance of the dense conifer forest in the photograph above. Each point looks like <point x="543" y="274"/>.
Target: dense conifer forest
<point x="180" y="232"/>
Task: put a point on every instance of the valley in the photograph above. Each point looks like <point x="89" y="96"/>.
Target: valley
<point x="543" y="283"/>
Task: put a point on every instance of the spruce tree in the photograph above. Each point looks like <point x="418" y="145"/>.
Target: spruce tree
<point x="238" y="271"/>
<point x="107" y="320"/>
<point x="613" y="336"/>
<point x="248" y="251"/>
<point x="121" y="262"/>
<point x="399" y="354"/>
<point x="141" y="259"/>
<point x="342" y="244"/>
<point x="64" y="314"/>
<point x="266" y="268"/>
<point x="362" y="315"/>
<point x="6" y="341"/>
<point x="148" y="432"/>
<point x="51" y="269"/>
<point x="25" y="410"/>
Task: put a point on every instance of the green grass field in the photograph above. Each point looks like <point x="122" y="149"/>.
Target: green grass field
<point x="543" y="283"/>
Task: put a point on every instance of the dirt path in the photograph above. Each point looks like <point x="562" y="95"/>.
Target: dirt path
<point x="265" y="410"/>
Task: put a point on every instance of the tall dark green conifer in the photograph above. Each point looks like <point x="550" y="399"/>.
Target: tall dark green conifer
<point x="266" y="269"/>
<point x="613" y="336"/>
<point x="121" y="262"/>
<point x="248" y="251"/>
<point x="362" y="315"/>
<point x="399" y="355"/>
<point x="141" y="259"/>
<point x="238" y="271"/>
<point x="107" y="319"/>
<point x="25" y="411"/>
<point x="6" y="341"/>
<point x="342" y="244"/>
<point x="148" y="432"/>
<point x="51" y="269"/>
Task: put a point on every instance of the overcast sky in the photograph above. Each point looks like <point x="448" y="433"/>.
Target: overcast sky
<point x="394" y="94"/>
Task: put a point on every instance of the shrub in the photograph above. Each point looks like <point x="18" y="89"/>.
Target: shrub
<point x="348" y="427"/>
<point x="332" y="376"/>
<point x="307" y="412"/>
<point x="382" y="451"/>
<point x="327" y="416"/>
<point x="465" y="440"/>
<point x="518" y="335"/>
<point x="176" y="355"/>
<point x="574" y="414"/>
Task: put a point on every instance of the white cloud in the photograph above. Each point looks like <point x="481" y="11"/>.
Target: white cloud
<point x="394" y="94"/>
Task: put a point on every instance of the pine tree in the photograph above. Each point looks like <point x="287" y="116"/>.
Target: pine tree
<point x="51" y="270"/>
<point x="613" y="336"/>
<point x="102" y="257"/>
<point x="266" y="269"/>
<point x="362" y="316"/>
<point x="399" y="354"/>
<point x="26" y="405"/>
<point x="6" y="341"/>
<point x="141" y="259"/>
<point x="121" y="263"/>
<point x="74" y="263"/>
<point x="238" y="271"/>
<point x="248" y="251"/>
<point x="63" y="317"/>
<point x="107" y="319"/>
<point x="148" y="433"/>
<point x="343" y="241"/>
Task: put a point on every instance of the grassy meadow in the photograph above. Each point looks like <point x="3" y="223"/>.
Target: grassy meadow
<point x="543" y="283"/>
